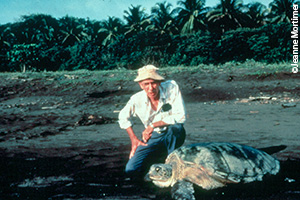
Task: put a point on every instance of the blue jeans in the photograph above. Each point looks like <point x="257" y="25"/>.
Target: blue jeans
<point x="159" y="146"/>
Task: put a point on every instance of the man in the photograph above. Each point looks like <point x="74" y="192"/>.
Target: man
<point x="161" y="109"/>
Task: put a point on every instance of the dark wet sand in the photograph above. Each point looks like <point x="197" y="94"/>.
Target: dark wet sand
<point x="63" y="142"/>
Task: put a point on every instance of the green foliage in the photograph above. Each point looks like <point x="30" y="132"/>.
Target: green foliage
<point x="271" y="43"/>
<point x="233" y="46"/>
<point x="189" y="35"/>
<point x="23" y="57"/>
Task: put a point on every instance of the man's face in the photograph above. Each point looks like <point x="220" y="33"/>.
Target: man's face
<point x="151" y="87"/>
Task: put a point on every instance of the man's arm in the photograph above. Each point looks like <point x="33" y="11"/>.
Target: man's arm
<point x="147" y="133"/>
<point x="135" y="142"/>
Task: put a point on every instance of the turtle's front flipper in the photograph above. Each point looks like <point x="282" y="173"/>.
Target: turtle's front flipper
<point x="183" y="190"/>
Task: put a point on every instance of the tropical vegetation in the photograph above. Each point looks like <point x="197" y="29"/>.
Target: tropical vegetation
<point x="187" y="34"/>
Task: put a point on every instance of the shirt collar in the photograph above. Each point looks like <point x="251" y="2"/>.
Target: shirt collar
<point x="162" y="98"/>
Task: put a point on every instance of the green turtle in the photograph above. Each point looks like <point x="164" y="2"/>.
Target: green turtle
<point x="210" y="166"/>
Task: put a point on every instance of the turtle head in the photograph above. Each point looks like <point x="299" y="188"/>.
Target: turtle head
<point x="160" y="175"/>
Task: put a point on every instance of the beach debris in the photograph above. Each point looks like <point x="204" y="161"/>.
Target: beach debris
<point x="230" y="78"/>
<point x="72" y="77"/>
<point x="39" y="182"/>
<point x="49" y="107"/>
<point x="288" y="105"/>
<point x="88" y="119"/>
<point x="290" y="180"/>
<point x="262" y="98"/>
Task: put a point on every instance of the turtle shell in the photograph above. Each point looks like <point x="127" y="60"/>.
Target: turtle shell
<point x="212" y="165"/>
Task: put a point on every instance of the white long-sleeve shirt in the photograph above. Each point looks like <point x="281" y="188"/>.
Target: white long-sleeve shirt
<point x="139" y="105"/>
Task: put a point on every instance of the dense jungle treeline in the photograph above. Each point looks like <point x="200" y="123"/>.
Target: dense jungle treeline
<point x="187" y="34"/>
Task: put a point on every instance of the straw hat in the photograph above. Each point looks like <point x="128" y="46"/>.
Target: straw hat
<point x="148" y="72"/>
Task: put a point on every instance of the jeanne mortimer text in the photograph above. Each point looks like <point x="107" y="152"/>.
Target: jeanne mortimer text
<point x="294" y="36"/>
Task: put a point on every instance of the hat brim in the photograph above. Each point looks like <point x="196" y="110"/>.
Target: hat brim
<point x="156" y="77"/>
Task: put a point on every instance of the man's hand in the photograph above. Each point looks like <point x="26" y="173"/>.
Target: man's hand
<point x="134" y="145"/>
<point x="147" y="133"/>
<point x="135" y="142"/>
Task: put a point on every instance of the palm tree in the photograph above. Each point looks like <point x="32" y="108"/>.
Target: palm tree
<point x="163" y="18"/>
<point x="6" y="36"/>
<point x="191" y="15"/>
<point x="73" y="30"/>
<point x="111" y="28"/>
<point x="229" y="14"/>
<point x="282" y="10"/>
<point x="36" y="28"/>
<point x="137" y="20"/>
<point x="258" y="14"/>
<point x="6" y="42"/>
<point x="92" y="28"/>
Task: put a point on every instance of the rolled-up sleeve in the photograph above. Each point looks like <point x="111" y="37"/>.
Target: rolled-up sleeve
<point x="125" y="115"/>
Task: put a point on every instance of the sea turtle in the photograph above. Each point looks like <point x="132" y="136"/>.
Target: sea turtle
<point x="211" y="165"/>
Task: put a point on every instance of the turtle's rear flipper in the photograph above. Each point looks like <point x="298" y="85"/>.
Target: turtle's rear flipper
<point x="183" y="190"/>
<point x="273" y="149"/>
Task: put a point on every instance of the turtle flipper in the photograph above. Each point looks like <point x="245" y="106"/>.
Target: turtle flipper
<point x="183" y="190"/>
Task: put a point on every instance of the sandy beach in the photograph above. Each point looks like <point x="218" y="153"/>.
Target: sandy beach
<point x="62" y="141"/>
